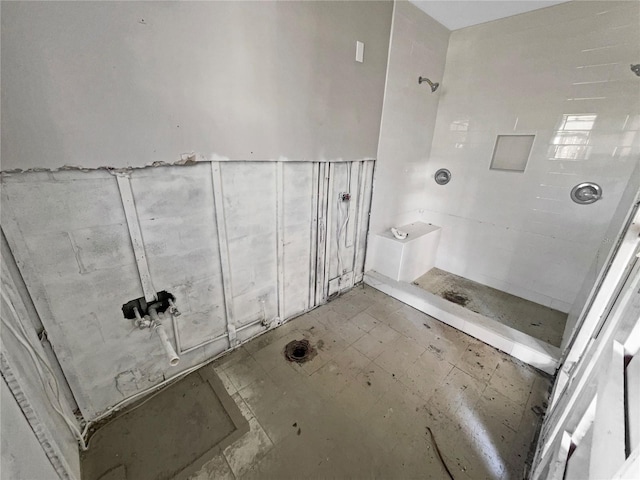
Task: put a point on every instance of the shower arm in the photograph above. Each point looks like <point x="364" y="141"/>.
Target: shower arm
<point x="434" y="86"/>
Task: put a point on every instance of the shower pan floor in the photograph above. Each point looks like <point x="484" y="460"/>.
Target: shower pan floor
<point x="536" y="320"/>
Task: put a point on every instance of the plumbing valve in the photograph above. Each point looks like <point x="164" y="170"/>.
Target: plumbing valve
<point x="173" y="310"/>
<point x="156" y="325"/>
<point x="153" y="320"/>
<point x="141" y="322"/>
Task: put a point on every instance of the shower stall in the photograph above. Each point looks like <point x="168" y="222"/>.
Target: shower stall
<point x="514" y="174"/>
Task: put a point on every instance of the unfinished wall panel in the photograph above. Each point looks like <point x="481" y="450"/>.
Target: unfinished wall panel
<point x="70" y="239"/>
<point x="177" y="217"/>
<point x="364" y="207"/>
<point x="22" y="377"/>
<point x="347" y="223"/>
<point x="249" y="193"/>
<point x="297" y="235"/>
<point x="239" y="244"/>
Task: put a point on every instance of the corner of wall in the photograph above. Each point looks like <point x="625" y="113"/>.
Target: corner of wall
<point x="417" y="47"/>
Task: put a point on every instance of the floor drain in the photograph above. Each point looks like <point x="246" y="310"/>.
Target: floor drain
<point x="299" y="351"/>
<point x="455" y="297"/>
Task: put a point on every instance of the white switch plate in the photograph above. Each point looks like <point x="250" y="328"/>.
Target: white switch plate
<point x="359" y="52"/>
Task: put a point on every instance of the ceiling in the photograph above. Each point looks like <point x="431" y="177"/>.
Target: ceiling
<point x="455" y="14"/>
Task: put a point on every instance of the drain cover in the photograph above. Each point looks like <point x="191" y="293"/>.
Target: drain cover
<point x="455" y="297"/>
<point x="299" y="351"/>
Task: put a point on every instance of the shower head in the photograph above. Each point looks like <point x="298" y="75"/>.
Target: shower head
<point x="434" y="86"/>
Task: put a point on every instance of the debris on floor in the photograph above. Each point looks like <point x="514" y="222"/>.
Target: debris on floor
<point x="366" y="398"/>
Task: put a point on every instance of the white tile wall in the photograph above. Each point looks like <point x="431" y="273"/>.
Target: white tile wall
<point x="418" y="48"/>
<point x="605" y="249"/>
<point x="520" y="232"/>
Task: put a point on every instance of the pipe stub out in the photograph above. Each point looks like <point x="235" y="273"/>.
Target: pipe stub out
<point x="173" y="357"/>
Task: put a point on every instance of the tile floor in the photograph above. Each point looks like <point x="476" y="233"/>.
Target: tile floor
<point x="360" y="409"/>
<point x="541" y="322"/>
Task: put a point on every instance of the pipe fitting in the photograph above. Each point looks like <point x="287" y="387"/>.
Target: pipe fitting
<point x="156" y="324"/>
<point x="174" y="359"/>
<point x="173" y="310"/>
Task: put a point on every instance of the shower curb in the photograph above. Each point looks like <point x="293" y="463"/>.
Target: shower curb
<point x="528" y="349"/>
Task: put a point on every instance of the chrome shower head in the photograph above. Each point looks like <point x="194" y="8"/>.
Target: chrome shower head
<point x="434" y="86"/>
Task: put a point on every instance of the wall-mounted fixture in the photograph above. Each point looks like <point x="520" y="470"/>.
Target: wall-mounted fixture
<point x="635" y="68"/>
<point x="442" y="176"/>
<point x="164" y="299"/>
<point x="434" y="85"/>
<point x="151" y="315"/>
<point x="586" y="193"/>
<point x="360" y="52"/>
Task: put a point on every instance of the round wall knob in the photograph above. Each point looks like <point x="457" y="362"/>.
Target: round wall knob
<point x="442" y="176"/>
<point x="586" y="193"/>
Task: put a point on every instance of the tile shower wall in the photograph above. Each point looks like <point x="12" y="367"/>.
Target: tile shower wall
<point x="560" y="73"/>
<point x="605" y="249"/>
<point x="418" y="48"/>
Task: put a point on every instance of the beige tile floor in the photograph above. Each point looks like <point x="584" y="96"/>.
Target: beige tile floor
<point x="360" y="409"/>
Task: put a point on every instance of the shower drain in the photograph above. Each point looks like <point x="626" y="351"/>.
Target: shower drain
<point x="299" y="351"/>
<point x="455" y="297"/>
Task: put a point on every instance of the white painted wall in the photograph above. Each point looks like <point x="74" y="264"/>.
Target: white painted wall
<point x="465" y="13"/>
<point x="418" y="48"/>
<point x="520" y="232"/>
<point x="130" y="83"/>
